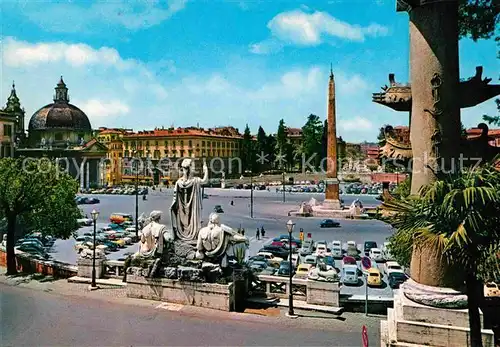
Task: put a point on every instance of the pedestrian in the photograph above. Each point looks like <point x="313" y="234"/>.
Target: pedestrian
<point x="243" y="231"/>
<point x="232" y="203"/>
<point x="262" y="231"/>
<point x="257" y="235"/>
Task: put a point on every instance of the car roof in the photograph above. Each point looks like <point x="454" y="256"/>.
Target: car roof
<point x="390" y="262"/>
<point x="376" y="250"/>
<point x="305" y="266"/>
<point x="373" y="270"/>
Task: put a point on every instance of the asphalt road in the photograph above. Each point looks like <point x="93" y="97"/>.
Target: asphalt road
<point x="269" y="212"/>
<point x="36" y="318"/>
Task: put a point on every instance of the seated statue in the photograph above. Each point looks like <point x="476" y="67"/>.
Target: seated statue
<point x="152" y="237"/>
<point x="215" y="239"/>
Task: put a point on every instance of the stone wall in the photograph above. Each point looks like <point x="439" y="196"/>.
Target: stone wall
<point x="27" y="264"/>
<point x="85" y="267"/>
<point x="209" y="295"/>
<point x="323" y="293"/>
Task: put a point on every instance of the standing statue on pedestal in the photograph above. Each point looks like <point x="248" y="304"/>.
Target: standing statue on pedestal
<point x="186" y="205"/>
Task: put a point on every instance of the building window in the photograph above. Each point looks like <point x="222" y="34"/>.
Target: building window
<point x="202" y="143"/>
<point x="156" y="143"/>
<point x="190" y="143"/>
<point x="173" y="144"/>
<point x="166" y="143"/>
<point x="182" y="143"/>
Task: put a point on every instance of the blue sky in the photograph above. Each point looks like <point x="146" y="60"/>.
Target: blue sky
<point x="146" y="64"/>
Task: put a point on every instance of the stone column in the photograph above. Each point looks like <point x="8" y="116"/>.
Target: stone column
<point x="435" y="116"/>
<point x="81" y="173"/>
<point x="434" y="70"/>
<point x="332" y="199"/>
<point x="87" y="175"/>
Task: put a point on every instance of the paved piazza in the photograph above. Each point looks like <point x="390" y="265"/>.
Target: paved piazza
<point x="269" y="212"/>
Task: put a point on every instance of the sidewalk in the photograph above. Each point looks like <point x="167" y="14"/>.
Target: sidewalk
<point x="117" y="294"/>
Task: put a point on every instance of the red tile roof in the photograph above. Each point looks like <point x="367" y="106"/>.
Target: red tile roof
<point x="185" y="132"/>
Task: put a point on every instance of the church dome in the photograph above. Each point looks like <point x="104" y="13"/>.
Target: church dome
<point x="60" y="115"/>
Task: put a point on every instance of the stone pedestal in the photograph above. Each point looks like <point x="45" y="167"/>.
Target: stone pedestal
<point x="331" y="204"/>
<point x="323" y="293"/>
<point x="85" y="267"/>
<point x="209" y="295"/>
<point x="413" y="324"/>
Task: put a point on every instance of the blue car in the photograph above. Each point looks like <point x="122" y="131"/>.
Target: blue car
<point x="329" y="223"/>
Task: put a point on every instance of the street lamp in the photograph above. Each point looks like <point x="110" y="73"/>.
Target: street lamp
<point x="95" y="215"/>
<point x="136" y="162"/>
<point x="290" y="225"/>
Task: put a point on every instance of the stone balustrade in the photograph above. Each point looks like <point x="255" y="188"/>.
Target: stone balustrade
<point x="313" y="292"/>
<point x="114" y="268"/>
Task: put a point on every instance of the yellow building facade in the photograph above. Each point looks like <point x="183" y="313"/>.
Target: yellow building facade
<point x="164" y="148"/>
<point x="6" y="135"/>
<point x="112" y="169"/>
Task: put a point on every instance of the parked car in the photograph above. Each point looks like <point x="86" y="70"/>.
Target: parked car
<point x="322" y="250"/>
<point x="337" y="252"/>
<point x="352" y="252"/>
<point x="369" y="245"/>
<point x="276" y="250"/>
<point x="303" y="270"/>
<point x="374" y="278"/>
<point x="218" y="209"/>
<point x="491" y="289"/>
<point x="328" y="260"/>
<point x="347" y="260"/>
<point x="307" y="248"/>
<point x="284" y="269"/>
<point x="258" y="265"/>
<point x="329" y="223"/>
<point x="321" y="242"/>
<point x="375" y="254"/>
<point x="395" y="279"/>
<point x="349" y="274"/>
<point x="85" y="222"/>
<point x="111" y="245"/>
<point x="392" y="266"/>
<point x="119" y="218"/>
<point x="352" y="244"/>
<point x="120" y="242"/>
<point x="311" y="259"/>
<point x="337" y="243"/>
<point x="271" y="259"/>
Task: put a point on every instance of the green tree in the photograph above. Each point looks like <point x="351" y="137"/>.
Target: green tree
<point x="477" y="19"/>
<point x="458" y="217"/>
<point x="281" y="138"/>
<point x="40" y="196"/>
<point x="261" y="150"/>
<point x="247" y="153"/>
<point x="324" y="141"/>
<point x="270" y="150"/>
<point x="312" y="133"/>
<point x="493" y="120"/>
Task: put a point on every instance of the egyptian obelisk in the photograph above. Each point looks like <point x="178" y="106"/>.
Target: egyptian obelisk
<point x="332" y="199"/>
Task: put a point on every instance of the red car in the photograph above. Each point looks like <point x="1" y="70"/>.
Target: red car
<point x="277" y="243"/>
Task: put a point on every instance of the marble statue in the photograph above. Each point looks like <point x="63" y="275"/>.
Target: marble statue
<point x="215" y="239"/>
<point x="88" y="253"/>
<point x="324" y="273"/>
<point x="43" y="143"/>
<point x="186" y="205"/>
<point x="152" y="236"/>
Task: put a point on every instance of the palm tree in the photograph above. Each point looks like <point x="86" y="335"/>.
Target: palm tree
<point x="457" y="218"/>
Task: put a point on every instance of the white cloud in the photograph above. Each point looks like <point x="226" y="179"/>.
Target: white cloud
<point x="351" y="84"/>
<point x="356" y="124"/>
<point x="20" y="53"/>
<point x="95" y="108"/>
<point x="130" y="93"/>
<point x="72" y="17"/>
<point x="309" y="29"/>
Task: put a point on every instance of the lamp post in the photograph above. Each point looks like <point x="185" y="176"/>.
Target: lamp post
<point x="136" y="162"/>
<point x="95" y="215"/>
<point x="249" y="172"/>
<point x="290" y="225"/>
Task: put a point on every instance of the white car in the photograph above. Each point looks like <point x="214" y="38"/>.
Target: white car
<point x="128" y="240"/>
<point x="322" y="250"/>
<point x="392" y="266"/>
<point x="337" y="252"/>
<point x="311" y="259"/>
<point x="375" y="254"/>
<point x="336" y="244"/>
<point x="352" y="244"/>
<point x="350" y="274"/>
<point x="317" y="243"/>
<point x="271" y="259"/>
